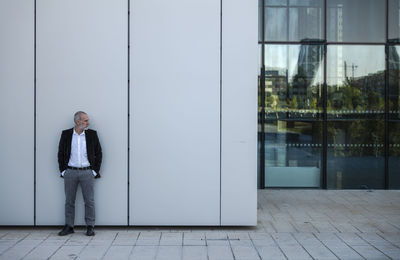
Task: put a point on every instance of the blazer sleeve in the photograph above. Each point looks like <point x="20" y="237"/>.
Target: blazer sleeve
<point x="61" y="153"/>
<point x="98" y="155"/>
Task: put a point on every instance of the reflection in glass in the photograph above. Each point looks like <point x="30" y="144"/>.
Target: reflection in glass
<point x="356" y="20"/>
<point x="356" y="154"/>
<point x="394" y="20"/>
<point x="276" y="2"/>
<point x="260" y="13"/>
<point x="293" y="81"/>
<point x="305" y="23"/>
<point x="293" y="109"/>
<point x="293" y="153"/>
<point x="355" y="107"/>
<point x="394" y="117"/>
<point x="356" y="86"/>
<point x="394" y="82"/>
<point x="305" y="2"/>
<point x="275" y="24"/>
<point x="300" y="20"/>
<point x="394" y="155"/>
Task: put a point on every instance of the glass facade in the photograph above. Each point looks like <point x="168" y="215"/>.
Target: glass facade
<point x="329" y="84"/>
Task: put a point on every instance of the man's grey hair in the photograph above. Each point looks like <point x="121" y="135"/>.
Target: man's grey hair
<point x="78" y="115"/>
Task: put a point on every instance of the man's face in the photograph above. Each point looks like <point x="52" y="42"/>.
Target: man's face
<point x="83" y="123"/>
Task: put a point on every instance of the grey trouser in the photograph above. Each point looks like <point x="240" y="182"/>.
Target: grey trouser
<point x="85" y="179"/>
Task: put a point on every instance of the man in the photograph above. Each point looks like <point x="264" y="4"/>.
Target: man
<point x="79" y="160"/>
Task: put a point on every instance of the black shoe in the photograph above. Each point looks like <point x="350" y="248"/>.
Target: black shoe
<point x="90" y="231"/>
<point x="66" y="231"/>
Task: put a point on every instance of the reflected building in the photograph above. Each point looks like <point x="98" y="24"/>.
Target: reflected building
<point x="304" y="82"/>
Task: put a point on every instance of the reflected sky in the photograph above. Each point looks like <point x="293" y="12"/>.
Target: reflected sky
<point x="287" y="57"/>
<point x="355" y="61"/>
<point x="359" y="60"/>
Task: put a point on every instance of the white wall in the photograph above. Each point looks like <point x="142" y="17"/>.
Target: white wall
<point x="16" y="112"/>
<point x="192" y="158"/>
<point x="175" y="110"/>
<point x="82" y="65"/>
<point x="239" y="113"/>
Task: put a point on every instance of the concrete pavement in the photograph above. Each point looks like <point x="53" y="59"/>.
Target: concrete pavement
<point x="292" y="224"/>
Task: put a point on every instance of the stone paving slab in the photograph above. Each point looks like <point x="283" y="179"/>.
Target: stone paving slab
<point x="292" y="224"/>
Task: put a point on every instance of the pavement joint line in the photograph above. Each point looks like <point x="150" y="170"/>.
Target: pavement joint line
<point x="85" y="246"/>
<point x="8" y="249"/>
<point x="388" y="241"/>
<point x="223" y="239"/>
<point x="276" y="243"/>
<point x="37" y="245"/>
<point x="302" y="246"/>
<point x="182" y="247"/>
<point x="230" y="246"/>
<point x="394" y="226"/>
<point x="137" y="237"/>
<point x="59" y="247"/>
<point x="373" y="246"/>
<point x="325" y="245"/>
<point x="349" y="246"/>
<point x="254" y="246"/>
<point x="334" y="227"/>
<point x="359" y="230"/>
<point x="158" y="246"/>
<point x="3" y="235"/>
<point x="108" y="248"/>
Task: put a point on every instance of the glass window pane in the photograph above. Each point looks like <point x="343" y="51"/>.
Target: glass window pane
<point x="276" y="2"/>
<point x="356" y="21"/>
<point x="260" y="20"/>
<point x="305" y="2"/>
<point x="356" y="81"/>
<point x="394" y="117"/>
<point x="394" y="83"/>
<point x="356" y="154"/>
<point x="306" y="23"/>
<point x="293" y="81"/>
<point x="394" y="20"/>
<point x="293" y="153"/>
<point x="293" y="102"/>
<point x="355" y="97"/>
<point x="394" y="154"/>
<point x="275" y="24"/>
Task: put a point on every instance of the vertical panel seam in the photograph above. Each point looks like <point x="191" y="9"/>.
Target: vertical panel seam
<point x="34" y="112"/>
<point x="128" y="108"/>
<point x="220" y="116"/>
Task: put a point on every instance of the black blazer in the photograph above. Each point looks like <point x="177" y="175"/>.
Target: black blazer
<point x="93" y="149"/>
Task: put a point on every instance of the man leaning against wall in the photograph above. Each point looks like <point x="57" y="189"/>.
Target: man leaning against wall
<point x="79" y="160"/>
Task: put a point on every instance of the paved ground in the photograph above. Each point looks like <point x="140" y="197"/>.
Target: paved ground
<point x="292" y="224"/>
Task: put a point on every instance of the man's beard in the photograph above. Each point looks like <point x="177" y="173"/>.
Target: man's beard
<point x="81" y="127"/>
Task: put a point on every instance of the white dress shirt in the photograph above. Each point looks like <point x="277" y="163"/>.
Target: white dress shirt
<point x="78" y="156"/>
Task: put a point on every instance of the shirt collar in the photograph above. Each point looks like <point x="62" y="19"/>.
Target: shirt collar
<point x="82" y="134"/>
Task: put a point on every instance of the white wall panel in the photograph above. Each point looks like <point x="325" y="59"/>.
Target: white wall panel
<point x="175" y="110"/>
<point x="16" y="112"/>
<point x="82" y="65"/>
<point x="239" y="113"/>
